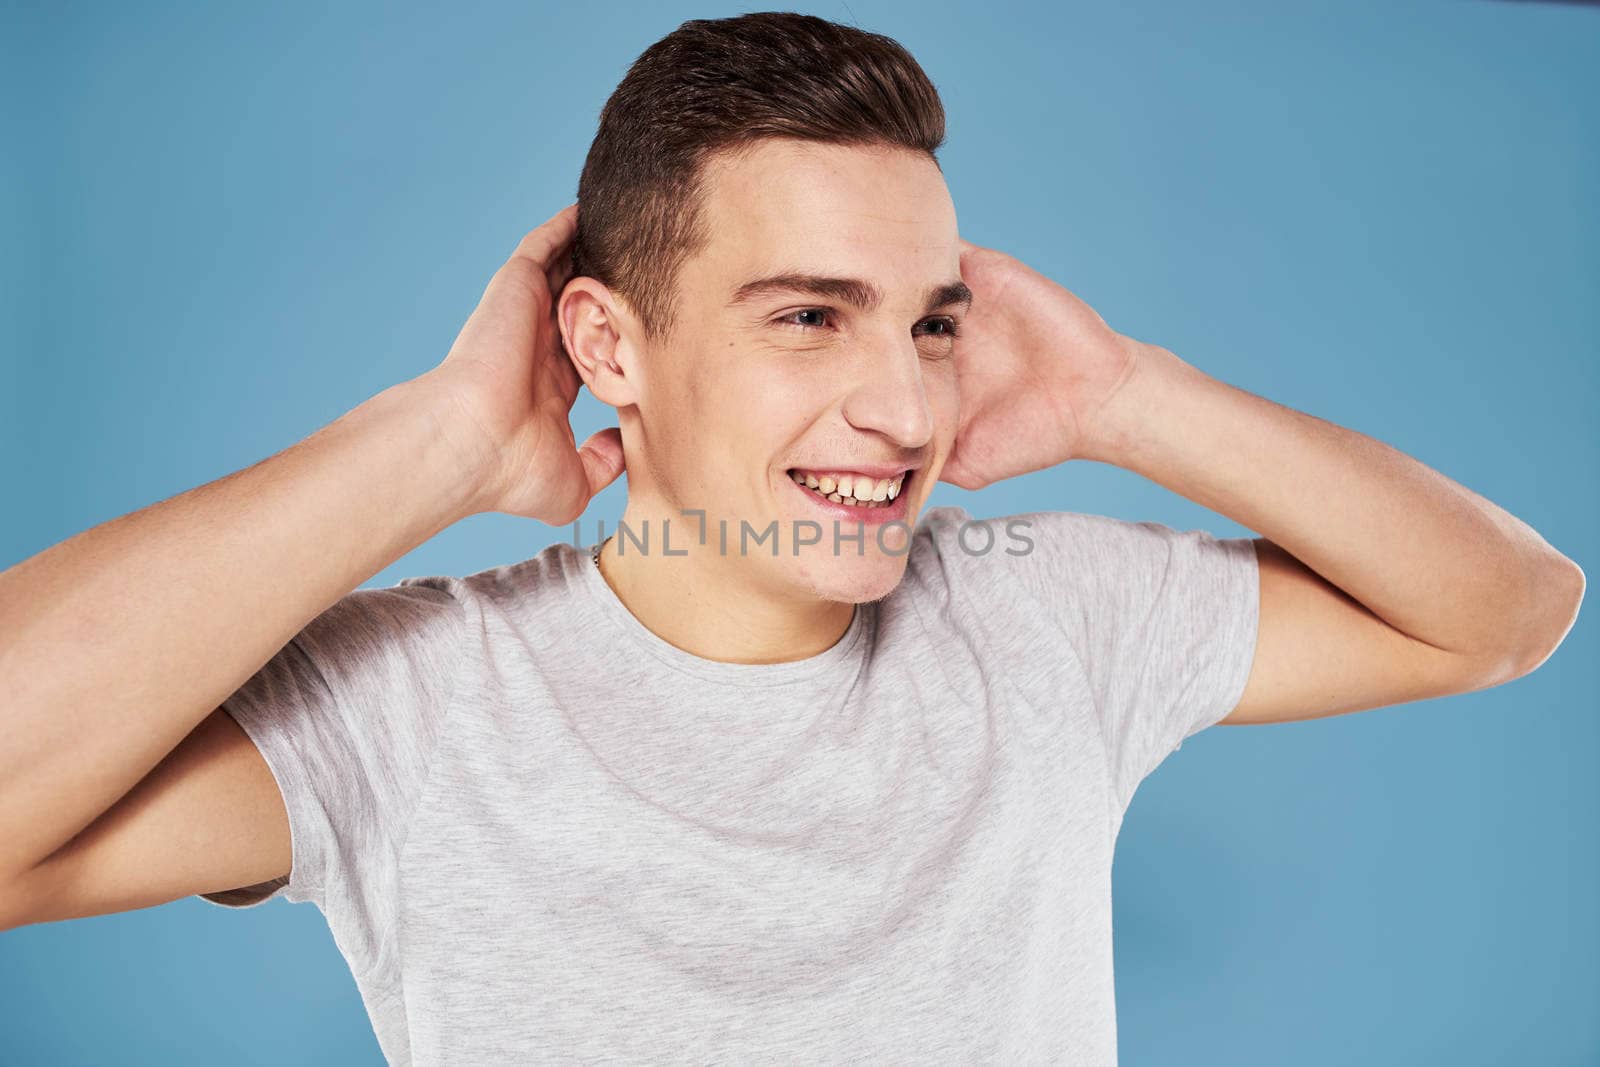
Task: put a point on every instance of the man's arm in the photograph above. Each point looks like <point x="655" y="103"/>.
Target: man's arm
<point x="1382" y="581"/>
<point x="119" y="641"/>
<point x="118" y="645"/>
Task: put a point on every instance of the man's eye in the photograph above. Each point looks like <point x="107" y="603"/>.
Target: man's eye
<point x="942" y="326"/>
<point x="788" y="320"/>
<point x="949" y="326"/>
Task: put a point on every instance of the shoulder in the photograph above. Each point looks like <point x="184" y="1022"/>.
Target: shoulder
<point x="543" y="596"/>
<point x="556" y="569"/>
<point x="951" y="540"/>
<point x="417" y="611"/>
<point x="438" y="610"/>
<point x="1057" y="556"/>
<point x="999" y="560"/>
<point x="1056" y="538"/>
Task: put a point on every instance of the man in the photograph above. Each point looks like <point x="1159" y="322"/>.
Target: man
<point x="844" y="786"/>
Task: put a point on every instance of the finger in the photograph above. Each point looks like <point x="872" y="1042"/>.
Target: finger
<point x="504" y="311"/>
<point x="602" y="458"/>
<point x="560" y="272"/>
<point x="509" y="284"/>
<point x="544" y="242"/>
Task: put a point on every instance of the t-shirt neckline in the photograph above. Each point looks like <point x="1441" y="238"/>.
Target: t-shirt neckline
<point x="629" y="629"/>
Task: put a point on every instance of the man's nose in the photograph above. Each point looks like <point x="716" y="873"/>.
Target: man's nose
<point x="889" y="396"/>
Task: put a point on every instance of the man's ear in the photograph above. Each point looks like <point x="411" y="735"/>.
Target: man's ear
<point x="598" y="336"/>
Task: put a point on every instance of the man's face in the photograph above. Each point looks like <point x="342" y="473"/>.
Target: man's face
<point x="759" y="383"/>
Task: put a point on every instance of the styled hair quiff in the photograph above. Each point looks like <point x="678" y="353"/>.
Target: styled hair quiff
<point x="716" y="85"/>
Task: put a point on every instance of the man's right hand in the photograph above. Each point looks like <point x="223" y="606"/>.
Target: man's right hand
<point x="124" y="783"/>
<point x="507" y="387"/>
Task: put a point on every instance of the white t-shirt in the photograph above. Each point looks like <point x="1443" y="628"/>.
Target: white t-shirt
<point x="541" y="834"/>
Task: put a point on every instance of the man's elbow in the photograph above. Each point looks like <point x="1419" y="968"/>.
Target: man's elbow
<point x="1556" y="612"/>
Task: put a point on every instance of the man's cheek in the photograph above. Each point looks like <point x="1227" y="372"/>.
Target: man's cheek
<point x="944" y="398"/>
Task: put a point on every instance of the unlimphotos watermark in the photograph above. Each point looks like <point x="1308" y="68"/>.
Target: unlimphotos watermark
<point x="976" y="537"/>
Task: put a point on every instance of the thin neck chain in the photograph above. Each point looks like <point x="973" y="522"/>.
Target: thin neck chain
<point x="595" y="554"/>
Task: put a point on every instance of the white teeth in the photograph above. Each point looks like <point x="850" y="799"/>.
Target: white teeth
<point x="854" y="489"/>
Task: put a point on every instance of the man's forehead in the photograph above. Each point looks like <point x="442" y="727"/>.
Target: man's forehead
<point x="828" y="223"/>
<point x="780" y="187"/>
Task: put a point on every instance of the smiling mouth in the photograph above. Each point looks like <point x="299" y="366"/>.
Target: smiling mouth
<point x="852" y="490"/>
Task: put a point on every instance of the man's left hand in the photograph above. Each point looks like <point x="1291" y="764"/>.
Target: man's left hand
<point x="1035" y="366"/>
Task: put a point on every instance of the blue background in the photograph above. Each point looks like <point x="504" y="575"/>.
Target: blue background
<point x="228" y="224"/>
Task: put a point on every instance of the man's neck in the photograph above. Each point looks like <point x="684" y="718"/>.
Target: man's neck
<point x="701" y="602"/>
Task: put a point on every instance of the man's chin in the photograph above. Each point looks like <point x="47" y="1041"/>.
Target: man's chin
<point x="847" y="578"/>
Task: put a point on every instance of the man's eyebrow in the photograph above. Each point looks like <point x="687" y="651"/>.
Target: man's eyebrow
<point x="853" y="291"/>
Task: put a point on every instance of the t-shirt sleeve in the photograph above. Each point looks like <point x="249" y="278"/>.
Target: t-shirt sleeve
<point x="1162" y="622"/>
<point x="346" y="716"/>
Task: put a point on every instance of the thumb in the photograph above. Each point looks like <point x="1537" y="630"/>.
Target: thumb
<point x="601" y="453"/>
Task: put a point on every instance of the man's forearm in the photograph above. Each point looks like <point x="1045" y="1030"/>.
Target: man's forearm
<point x="117" y="642"/>
<point x="1428" y="556"/>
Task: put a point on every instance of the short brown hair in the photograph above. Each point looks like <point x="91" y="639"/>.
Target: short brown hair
<point x="722" y="84"/>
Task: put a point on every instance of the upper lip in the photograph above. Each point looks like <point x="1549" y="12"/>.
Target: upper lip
<point x="871" y="470"/>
